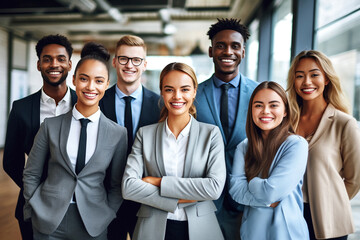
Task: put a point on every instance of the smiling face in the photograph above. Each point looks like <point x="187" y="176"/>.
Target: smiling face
<point x="54" y="64"/>
<point x="310" y="80"/>
<point x="178" y="93"/>
<point x="268" y="110"/>
<point x="91" y="81"/>
<point x="129" y="74"/>
<point x="227" y="51"/>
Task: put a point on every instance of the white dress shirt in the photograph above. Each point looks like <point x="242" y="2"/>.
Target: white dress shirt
<point x="72" y="145"/>
<point x="174" y="160"/>
<point x="48" y="107"/>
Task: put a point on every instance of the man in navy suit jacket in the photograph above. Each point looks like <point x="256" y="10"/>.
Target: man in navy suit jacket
<point x="129" y="62"/>
<point x="227" y="49"/>
<point x="54" y="98"/>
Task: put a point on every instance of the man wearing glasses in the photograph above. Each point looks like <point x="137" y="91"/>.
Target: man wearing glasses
<point x="131" y="105"/>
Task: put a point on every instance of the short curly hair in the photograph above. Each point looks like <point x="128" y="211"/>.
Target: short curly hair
<point x="53" y="39"/>
<point x="228" y="24"/>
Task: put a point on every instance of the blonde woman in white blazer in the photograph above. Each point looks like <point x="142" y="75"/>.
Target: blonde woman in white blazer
<point x="176" y="167"/>
<point x="332" y="177"/>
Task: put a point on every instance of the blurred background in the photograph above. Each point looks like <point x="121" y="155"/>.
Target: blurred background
<point x="174" y="30"/>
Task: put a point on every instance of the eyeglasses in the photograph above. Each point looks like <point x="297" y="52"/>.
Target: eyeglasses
<point x="136" y="61"/>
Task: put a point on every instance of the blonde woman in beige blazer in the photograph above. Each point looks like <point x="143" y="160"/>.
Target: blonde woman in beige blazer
<point x="332" y="176"/>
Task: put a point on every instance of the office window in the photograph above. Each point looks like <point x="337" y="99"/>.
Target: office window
<point x="252" y="51"/>
<point x="338" y="36"/>
<point x="281" y="42"/>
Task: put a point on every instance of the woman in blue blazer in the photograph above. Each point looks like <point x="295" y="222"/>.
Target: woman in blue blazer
<point x="268" y="170"/>
<point x="81" y="192"/>
<point x="176" y="167"/>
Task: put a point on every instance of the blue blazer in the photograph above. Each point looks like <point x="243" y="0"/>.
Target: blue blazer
<point x="206" y="112"/>
<point x="260" y="221"/>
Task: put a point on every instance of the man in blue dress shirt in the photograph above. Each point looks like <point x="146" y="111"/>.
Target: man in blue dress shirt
<point x="130" y="63"/>
<point x="226" y="106"/>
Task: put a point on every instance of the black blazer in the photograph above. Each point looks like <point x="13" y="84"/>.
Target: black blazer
<point x="150" y="110"/>
<point x="22" y="126"/>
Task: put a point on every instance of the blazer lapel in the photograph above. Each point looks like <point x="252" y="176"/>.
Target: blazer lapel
<point x="192" y="143"/>
<point x="101" y="139"/>
<point x="73" y="97"/>
<point x="107" y="104"/>
<point x="238" y="132"/>
<point x="64" y="135"/>
<point x="324" y="124"/>
<point x="209" y="94"/>
<point x="35" y="113"/>
<point x="159" y="148"/>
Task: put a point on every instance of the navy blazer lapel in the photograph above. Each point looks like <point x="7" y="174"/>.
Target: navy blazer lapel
<point x="64" y="135"/>
<point x="209" y="94"/>
<point x="107" y="104"/>
<point x="35" y="113"/>
<point x="239" y="132"/>
<point x="73" y="97"/>
<point x="192" y="144"/>
<point x="159" y="147"/>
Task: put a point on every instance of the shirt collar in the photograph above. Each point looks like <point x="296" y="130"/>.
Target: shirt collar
<point x="234" y="82"/>
<point x="45" y="97"/>
<point x="93" y="118"/>
<point x="185" y="132"/>
<point x="134" y="95"/>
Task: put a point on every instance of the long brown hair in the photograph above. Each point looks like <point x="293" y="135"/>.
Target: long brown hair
<point x="182" y="67"/>
<point x="332" y="93"/>
<point x="261" y="152"/>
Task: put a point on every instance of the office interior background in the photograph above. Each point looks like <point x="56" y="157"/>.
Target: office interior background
<point x="175" y="30"/>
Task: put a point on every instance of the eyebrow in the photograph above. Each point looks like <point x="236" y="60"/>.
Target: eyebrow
<point x="84" y="74"/>
<point x="173" y="87"/>
<point x="312" y="70"/>
<point x="273" y="101"/>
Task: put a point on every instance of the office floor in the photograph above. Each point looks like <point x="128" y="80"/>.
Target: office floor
<point x="9" y="191"/>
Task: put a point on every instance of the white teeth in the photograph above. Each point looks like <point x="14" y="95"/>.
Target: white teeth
<point x="177" y="104"/>
<point x="308" y="90"/>
<point x="129" y="72"/>
<point x="90" y="94"/>
<point x="265" y="119"/>
<point x="54" y="73"/>
<point x="227" y="60"/>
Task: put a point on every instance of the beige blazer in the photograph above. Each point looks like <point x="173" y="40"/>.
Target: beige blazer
<point x="333" y="173"/>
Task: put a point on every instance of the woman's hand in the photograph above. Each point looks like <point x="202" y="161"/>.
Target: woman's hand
<point x="186" y="201"/>
<point x="156" y="181"/>
<point x="274" y="205"/>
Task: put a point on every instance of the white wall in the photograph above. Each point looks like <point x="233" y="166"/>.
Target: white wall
<point x="3" y="84"/>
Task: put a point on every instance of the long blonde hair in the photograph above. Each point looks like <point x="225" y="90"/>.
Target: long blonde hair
<point x="332" y="93"/>
<point x="182" y="67"/>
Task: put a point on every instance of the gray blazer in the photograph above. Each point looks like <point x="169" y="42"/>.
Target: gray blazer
<point x="204" y="179"/>
<point x="97" y="187"/>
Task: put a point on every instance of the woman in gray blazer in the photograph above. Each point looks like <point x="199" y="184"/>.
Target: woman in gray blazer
<point x="83" y="165"/>
<point x="320" y="115"/>
<point x="176" y="167"/>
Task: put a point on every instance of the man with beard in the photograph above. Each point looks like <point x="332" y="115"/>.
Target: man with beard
<point x="223" y="100"/>
<point x="54" y="98"/>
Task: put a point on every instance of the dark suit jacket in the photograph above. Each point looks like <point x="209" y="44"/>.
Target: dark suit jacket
<point x="150" y="110"/>
<point x="23" y="124"/>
